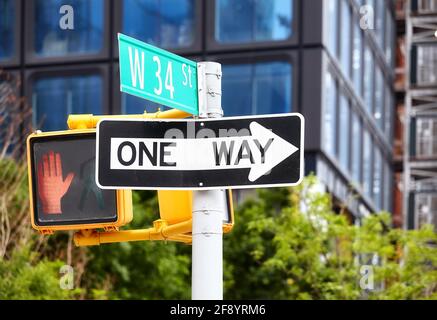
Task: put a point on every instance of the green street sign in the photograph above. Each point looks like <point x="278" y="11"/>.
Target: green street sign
<point x="157" y="75"/>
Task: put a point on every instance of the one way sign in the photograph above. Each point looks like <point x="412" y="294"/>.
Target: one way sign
<point x="238" y="152"/>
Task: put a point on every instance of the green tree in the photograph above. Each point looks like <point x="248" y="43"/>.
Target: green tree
<point x="24" y="273"/>
<point x="141" y="270"/>
<point x="25" y="277"/>
<point x="289" y="244"/>
<point x="286" y="244"/>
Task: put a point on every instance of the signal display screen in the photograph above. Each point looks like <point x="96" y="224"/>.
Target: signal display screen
<point x="64" y="187"/>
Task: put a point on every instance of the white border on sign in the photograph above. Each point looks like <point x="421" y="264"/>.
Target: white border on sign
<point x="302" y="151"/>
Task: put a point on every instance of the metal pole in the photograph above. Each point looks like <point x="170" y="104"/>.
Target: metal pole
<point x="207" y="245"/>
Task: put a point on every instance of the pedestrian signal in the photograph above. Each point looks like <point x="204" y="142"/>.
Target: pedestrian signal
<point x="62" y="187"/>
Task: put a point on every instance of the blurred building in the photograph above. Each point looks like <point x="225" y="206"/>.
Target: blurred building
<point x="332" y="60"/>
<point x="416" y="133"/>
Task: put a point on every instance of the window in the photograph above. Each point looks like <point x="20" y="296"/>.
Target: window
<point x="357" y="128"/>
<point x="54" y="98"/>
<point x="379" y="99"/>
<point x="426" y="73"/>
<point x="7" y="14"/>
<point x="346" y="37"/>
<point x="344" y="133"/>
<point x="11" y="113"/>
<point x="389" y="37"/>
<point x="371" y="5"/>
<point x="329" y="115"/>
<point x="332" y="18"/>
<point x="388" y="187"/>
<point x="427" y="6"/>
<point x="86" y="37"/>
<point x="389" y="111"/>
<point x="368" y="79"/>
<point x="426" y="209"/>
<point x="258" y="88"/>
<point x="380" y="23"/>
<point x="357" y="57"/>
<point x="134" y="105"/>
<point x="367" y="163"/>
<point x="426" y="141"/>
<point x="246" y="21"/>
<point x="164" y="23"/>
<point x="377" y="179"/>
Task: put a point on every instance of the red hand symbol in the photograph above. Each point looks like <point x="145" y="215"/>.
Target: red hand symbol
<point x="51" y="185"/>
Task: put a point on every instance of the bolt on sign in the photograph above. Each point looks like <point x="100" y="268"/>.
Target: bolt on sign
<point x="238" y="152"/>
<point x="62" y="188"/>
<point x="157" y="75"/>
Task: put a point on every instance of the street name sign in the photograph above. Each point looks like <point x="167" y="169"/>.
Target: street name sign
<point x="235" y="152"/>
<point x="157" y="75"/>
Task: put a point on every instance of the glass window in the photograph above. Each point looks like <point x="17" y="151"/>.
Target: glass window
<point x="426" y="209"/>
<point x="329" y="115"/>
<point x="245" y="21"/>
<point x="7" y="14"/>
<point x="163" y="23"/>
<point x="389" y="112"/>
<point x="377" y="179"/>
<point x="134" y="105"/>
<point x="389" y="37"/>
<point x="332" y="32"/>
<point x="426" y="6"/>
<point x="346" y="37"/>
<point x="388" y="187"/>
<point x="11" y="113"/>
<point x="367" y="163"/>
<point x="258" y="88"/>
<point x="380" y="22"/>
<point x="379" y="99"/>
<point x="344" y="133"/>
<point x="426" y="138"/>
<point x="54" y="98"/>
<point x="371" y="4"/>
<point x="86" y="37"/>
<point x="357" y="64"/>
<point x="357" y="128"/>
<point x="368" y="79"/>
<point x="426" y="72"/>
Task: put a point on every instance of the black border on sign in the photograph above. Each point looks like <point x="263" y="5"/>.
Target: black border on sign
<point x="34" y="192"/>
<point x="218" y="187"/>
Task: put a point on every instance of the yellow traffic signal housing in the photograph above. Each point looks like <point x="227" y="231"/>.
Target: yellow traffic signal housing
<point x="62" y="188"/>
<point x="175" y="206"/>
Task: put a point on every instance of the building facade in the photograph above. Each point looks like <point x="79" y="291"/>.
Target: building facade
<point x="417" y="108"/>
<point x="331" y="60"/>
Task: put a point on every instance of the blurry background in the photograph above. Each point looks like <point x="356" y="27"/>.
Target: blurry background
<point x="322" y="58"/>
<point x="362" y="72"/>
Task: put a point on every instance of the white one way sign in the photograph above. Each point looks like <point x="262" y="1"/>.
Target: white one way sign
<point x="259" y="152"/>
<point x="242" y="152"/>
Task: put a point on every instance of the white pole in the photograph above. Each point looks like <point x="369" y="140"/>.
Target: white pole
<point x="207" y="247"/>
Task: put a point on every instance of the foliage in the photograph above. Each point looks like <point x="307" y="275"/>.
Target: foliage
<point x="21" y="278"/>
<point x="141" y="270"/>
<point x="24" y="274"/>
<point x="286" y="244"/>
<point x="304" y="250"/>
